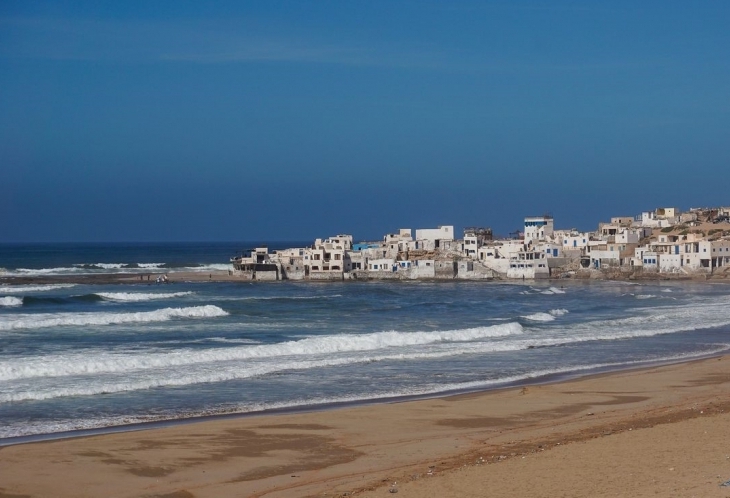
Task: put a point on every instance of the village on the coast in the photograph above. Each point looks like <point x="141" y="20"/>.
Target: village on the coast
<point x="664" y="243"/>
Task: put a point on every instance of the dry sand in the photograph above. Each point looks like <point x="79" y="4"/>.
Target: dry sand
<point x="662" y="431"/>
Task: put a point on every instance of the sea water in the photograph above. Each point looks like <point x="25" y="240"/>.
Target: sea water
<point x="76" y="357"/>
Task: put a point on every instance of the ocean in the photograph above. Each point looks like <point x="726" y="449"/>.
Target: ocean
<point x="76" y="357"/>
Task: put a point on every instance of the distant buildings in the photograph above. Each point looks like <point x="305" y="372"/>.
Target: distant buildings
<point x="662" y="241"/>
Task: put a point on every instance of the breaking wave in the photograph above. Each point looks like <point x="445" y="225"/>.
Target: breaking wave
<point x="236" y="372"/>
<point x="546" y="317"/>
<point x="44" y="320"/>
<point x="77" y="364"/>
<point x="134" y="268"/>
<point x="139" y="296"/>
<point x="44" y="271"/>
<point x="11" y="301"/>
<point x="210" y="267"/>
<point x="103" y="266"/>
<point x="19" y="289"/>
<point x="539" y="317"/>
<point x="286" y="298"/>
<point x="553" y="290"/>
<point x="479" y="340"/>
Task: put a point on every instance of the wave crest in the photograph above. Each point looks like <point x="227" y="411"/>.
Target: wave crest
<point x="64" y="365"/>
<point x="539" y="317"/>
<point x="44" y="320"/>
<point x="139" y="296"/>
<point x="19" y="289"/>
<point x="11" y="301"/>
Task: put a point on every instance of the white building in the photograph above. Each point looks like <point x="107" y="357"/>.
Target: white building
<point x="382" y="265"/>
<point x="538" y="228"/>
<point x="470" y="245"/>
<point x="423" y="268"/>
<point x="528" y="264"/>
<point x="325" y="260"/>
<point x="650" y="260"/>
<point x="432" y="238"/>
<point x="575" y="240"/>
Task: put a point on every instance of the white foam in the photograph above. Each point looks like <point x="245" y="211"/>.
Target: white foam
<point x="667" y="290"/>
<point x="11" y="301"/>
<point x="231" y="341"/>
<point x="44" y="320"/>
<point x="46" y="427"/>
<point x="500" y="337"/>
<point x="540" y="317"/>
<point x="104" y="383"/>
<point x="558" y="312"/>
<point x="45" y="271"/>
<point x="555" y="290"/>
<point x="139" y="296"/>
<point x="210" y="267"/>
<point x="19" y="289"/>
<point x="106" y="362"/>
<point x="96" y="268"/>
<point x="644" y="296"/>
<point x="284" y="298"/>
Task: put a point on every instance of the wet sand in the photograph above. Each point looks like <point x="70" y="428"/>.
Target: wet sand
<point x="661" y="431"/>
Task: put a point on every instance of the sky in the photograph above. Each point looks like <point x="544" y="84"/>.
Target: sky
<point x="292" y="120"/>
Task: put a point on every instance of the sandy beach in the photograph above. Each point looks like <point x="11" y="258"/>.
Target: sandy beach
<point x="661" y="431"/>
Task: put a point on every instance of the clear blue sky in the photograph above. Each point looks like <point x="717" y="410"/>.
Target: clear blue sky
<point x="163" y="121"/>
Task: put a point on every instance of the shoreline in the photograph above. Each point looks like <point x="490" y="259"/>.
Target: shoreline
<point x="515" y="441"/>
<point x="547" y="379"/>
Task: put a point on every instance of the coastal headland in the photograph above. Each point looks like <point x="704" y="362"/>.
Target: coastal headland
<point x="658" y="431"/>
